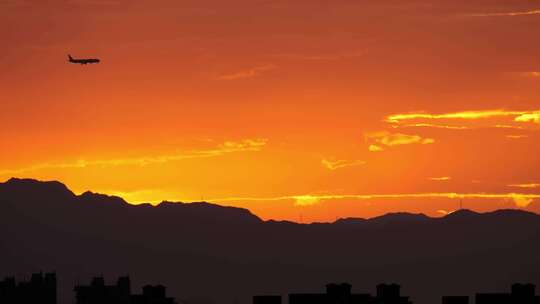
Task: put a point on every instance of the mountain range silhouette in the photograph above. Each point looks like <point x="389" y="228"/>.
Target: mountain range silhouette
<point x="207" y="253"/>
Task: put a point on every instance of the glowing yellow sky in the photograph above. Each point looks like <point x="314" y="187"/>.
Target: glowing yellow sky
<point x="293" y="109"/>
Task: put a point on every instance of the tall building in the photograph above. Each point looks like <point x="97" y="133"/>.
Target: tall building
<point x="267" y="300"/>
<point x="100" y="293"/>
<point x="40" y="289"/>
<point x="455" y="300"/>
<point x="390" y="294"/>
<point x="341" y="294"/>
<point x="520" y="294"/>
<point x="152" y="295"/>
<point x="8" y="290"/>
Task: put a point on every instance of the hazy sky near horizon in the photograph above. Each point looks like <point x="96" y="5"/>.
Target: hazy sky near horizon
<point x="293" y="109"/>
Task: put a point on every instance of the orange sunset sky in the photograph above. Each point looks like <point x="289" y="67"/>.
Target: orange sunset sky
<point x="299" y="110"/>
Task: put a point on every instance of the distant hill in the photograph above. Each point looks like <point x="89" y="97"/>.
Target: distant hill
<point x="208" y="253"/>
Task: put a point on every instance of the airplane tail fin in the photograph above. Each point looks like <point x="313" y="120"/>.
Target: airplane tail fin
<point x="70" y="58"/>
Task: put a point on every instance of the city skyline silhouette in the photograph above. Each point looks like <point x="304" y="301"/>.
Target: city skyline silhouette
<point x="42" y="288"/>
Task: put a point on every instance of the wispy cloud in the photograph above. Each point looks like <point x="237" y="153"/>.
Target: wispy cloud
<point x="375" y="148"/>
<point x="397" y="118"/>
<point x="466" y="119"/>
<point x="227" y="147"/>
<point x="440" y="179"/>
<point x="507" y="14"/>
<point x="530" y="185"/>
<point x="429" y="125"/>
<point x="520" y="199"/>
<point x="249" y="73"/>
<point x="385" y="138"/>
<point x="306" y="200"/>
<point x="509" y="127"/>
<point x="529" y="117"/>
<point x="340" y="163"/>
<point x="240" y="146"/>
<point x="516" y="136"/>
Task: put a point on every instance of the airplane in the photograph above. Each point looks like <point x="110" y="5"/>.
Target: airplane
<point x="82" y="61"/>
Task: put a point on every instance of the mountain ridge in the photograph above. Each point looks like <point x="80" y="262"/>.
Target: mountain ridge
<point x="58" y="189"/>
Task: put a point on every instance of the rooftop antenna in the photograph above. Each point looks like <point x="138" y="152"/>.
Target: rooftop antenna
<point x="461" y="204"/>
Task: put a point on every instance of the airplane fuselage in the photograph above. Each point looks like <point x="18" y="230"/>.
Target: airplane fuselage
<point x="83" y="61"/>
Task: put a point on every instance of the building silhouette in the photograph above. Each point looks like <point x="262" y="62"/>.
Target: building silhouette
<point x="455" y="300"/>
<point x="341" y="294"/>
<point x="267" y="300"/>
<point x="520" y="294"/>
<point x="40" y="289"/>
<point x="152" y="295"/>
<point x="335" y="294"/>
<point x="390" y="294"/>
<point x="100" y="293"/>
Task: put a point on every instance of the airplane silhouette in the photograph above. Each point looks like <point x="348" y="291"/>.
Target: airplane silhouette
<point x="83" y="61"/>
